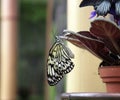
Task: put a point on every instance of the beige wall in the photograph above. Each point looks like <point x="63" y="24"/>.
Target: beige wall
<point x="84" y="77"/>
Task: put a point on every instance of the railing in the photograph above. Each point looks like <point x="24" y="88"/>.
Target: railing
<point x="90" y="96"/>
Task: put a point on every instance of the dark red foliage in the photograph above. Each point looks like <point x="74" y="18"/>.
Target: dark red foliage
<point x="107" y="32"/>
<point x="103" y="41"/>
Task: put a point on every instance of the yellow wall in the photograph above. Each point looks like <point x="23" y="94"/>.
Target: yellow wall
<point x="84" y="77"/>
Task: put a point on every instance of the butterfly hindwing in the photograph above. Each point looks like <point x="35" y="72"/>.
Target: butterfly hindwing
<point x="117" y="7"/>
<point x="67" y="63"/>
<point x="102" y="7"/>
<point x="58" y="63"/>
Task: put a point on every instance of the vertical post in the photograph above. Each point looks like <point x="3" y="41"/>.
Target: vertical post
<point x="8" y="49"/>
<point x="84" y="77"/>
<point x="48" y="30"/>
<point x="0" y="50"/>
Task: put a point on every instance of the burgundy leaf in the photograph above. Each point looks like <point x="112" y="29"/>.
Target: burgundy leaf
<point x="73" y="39"/>
<point x="95" y="47"/>
<point x="107" y="32"/>
<point x="86" y="40"/>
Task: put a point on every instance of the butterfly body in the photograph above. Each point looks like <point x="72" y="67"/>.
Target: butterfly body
<point x="59" y="62"/>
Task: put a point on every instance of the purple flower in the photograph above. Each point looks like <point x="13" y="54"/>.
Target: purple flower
<point x="93" y="14"/>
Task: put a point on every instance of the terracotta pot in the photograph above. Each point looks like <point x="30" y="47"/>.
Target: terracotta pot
<point x="111" y="76"/>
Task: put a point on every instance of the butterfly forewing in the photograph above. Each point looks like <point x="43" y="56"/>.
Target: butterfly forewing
<point x="59" y="63"/>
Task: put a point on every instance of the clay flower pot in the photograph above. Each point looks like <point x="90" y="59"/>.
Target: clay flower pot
<point x="111" y="76"/>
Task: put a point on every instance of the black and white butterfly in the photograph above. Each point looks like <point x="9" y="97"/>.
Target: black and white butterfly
<point x="59" y="62"/>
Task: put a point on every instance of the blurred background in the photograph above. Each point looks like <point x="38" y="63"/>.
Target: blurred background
<point x="38" y="23"/>
<point x="28" y="30"/>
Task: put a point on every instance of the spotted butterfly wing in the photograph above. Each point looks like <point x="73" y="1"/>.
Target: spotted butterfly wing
<point x="59" y="62"/>
<point x="102" y="7"/>
<point x="117" y="7"/>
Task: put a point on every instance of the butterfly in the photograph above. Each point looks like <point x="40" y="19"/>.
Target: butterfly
<point x="102" y="7"/>
<point x="59" y="62"/>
